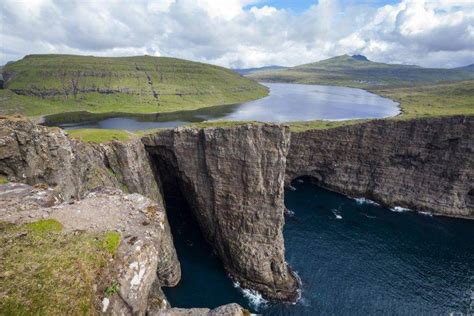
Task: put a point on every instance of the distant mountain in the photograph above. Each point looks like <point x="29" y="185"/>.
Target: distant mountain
<point x="359" y="71"/>
<point x="468" y="67"/>
<point x="247" y="71"/>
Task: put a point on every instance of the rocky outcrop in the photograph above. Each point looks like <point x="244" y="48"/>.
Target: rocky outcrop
<point x="232" y="179"/>
<point x="423" y="164"/>
<point x="34" y="154"/>
<point x="43" y="156"/>
<point x="140" y="222"/>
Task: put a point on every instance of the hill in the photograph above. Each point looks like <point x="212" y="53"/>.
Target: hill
<point x="247" y="71"/>
<point x="358" y="71"/>
<point x="45" y="84"/>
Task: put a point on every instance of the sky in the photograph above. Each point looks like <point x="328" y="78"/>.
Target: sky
<point x="243" y="33"/>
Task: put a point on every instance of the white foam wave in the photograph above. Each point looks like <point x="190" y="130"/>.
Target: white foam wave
<point x="400" y="209"/>
<point x="292" y="188"/>
<point x="255" y="299"/>
<point x="365" y="201"/>
<point x="336" y="213"/>
<point x="426" y="214"/>
<point x="300" y="180"/>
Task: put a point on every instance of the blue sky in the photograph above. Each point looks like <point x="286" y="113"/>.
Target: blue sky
<point x="299" y="6"/>
<point x="243" y="33"/>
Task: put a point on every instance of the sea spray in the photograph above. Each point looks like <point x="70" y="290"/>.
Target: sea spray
<point x="336" y="213"/>
<point x="400" y="209"/>
<point x="365" y="201"/>
<point x="255" y="298"/>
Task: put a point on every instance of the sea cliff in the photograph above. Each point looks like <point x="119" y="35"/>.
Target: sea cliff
<point x="422" y="164"/>
<point x="232" y="179"/>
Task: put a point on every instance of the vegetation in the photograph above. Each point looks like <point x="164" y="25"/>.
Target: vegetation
<point x="92" y="135"/>
<point x="445" y="99"/>
<point x="359" y="72"/>
<point x="432" y="100"/>
<point x="112" y="289"/>
<point x="3" y="180"/>
<point x="111" y="242"/>
<point x="48" y="272"/>
<point x="46" y="84"/>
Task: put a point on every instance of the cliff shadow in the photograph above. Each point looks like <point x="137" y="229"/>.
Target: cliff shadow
<point x="204" y="281"/>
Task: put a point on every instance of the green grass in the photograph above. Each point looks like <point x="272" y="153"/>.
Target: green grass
<point x="45" y="84"/>
<point x="3" y="180"/>
<point x="44" y="271"/>
<point x="112" y="242"/>
<point x="353" y="72"/>
<point x="437" y="100"/>
<point x="91" y="135"/>
<point x="47" y="225"/>
<point x="432" y="100"/>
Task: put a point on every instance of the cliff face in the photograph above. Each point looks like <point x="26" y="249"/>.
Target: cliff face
<point x="232" y="179"/>
<point x="423" y="164"/>
<point x="41" y="156"/>
<point x="34" y="154"/>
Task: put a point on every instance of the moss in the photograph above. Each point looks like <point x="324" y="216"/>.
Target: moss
<point x="111" y="242"/>
<point x="46" y="225"/>
<point x="45" y="271"/>
<point x="100" y="135"/>
<point x="3" y="180"/>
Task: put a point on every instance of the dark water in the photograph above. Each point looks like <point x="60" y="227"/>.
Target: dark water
<point x="285" y="103"/>
<point x="354" y="258"/>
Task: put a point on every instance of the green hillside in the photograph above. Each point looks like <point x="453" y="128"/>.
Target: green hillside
<point x="357" y="71"/>
<point x="45" y="84"/>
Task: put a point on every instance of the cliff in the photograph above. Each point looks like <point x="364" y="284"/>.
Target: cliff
<point x="232" y="180"/>
<point x="46" y="157"/>
<point x="35" y="154"/>
<point x="422" y="164"/>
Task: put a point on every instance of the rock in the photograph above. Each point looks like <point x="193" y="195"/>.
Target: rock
<point x="38" y="155"/>
<point x="136" y="263"/>
<point x="232" y="178"/>
<point x="225" y="310"/>
<point x="423" y="164"/>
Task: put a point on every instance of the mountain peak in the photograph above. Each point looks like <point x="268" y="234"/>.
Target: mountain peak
<point x="360" y="57"/>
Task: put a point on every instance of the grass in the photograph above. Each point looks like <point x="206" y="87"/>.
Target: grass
<point x="92" y="135"/>
<point x="353" y="72"/>
<point x="46" y="84"/>
<point x="3" y="180"/>
<point x="111" y="242"/>
<point x="456" y="98"/>
<point x="45" y="271"/>
<point x="432" y="100"/>
<point x="418" y="101"/>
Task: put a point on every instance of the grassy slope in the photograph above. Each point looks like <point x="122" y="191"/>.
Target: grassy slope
<point x="352" y="72"/>
<point x="445" y="99"/>
<point x="419" y="101"/>
<point x="92" y="135"/>
<point x="48" y="272"/>
<point x="46" y="84"/>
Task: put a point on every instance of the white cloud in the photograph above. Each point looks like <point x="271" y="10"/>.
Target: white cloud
<point x="241" y="33"/>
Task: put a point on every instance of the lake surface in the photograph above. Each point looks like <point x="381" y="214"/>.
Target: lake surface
<point x="285" y="103"/>
<point x="354" y="258"/>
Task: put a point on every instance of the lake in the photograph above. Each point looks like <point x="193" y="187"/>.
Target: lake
<point x="285" y="103"/>
<point x="353" y="256"/>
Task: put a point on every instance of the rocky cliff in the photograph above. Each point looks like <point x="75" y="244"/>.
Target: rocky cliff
<point x="232" y="179"/>
<point x="423" y="164"/>
<point x="35" y="154"/>
<point x="43" y="156"/>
